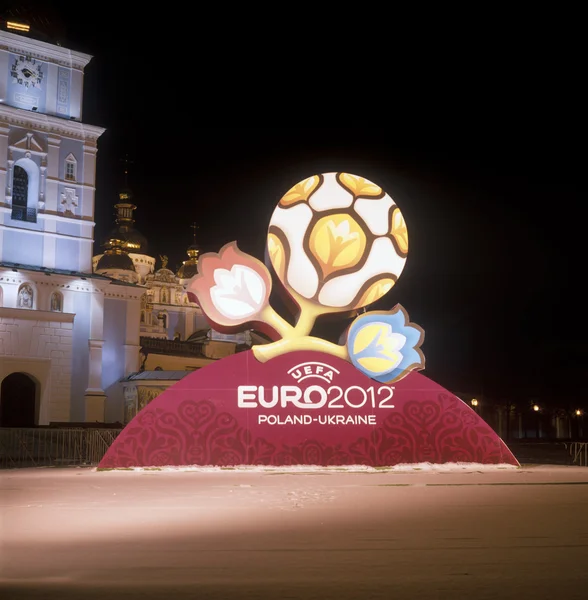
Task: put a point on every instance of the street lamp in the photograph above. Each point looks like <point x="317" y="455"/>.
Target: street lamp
<point x="578" y="413"/>
<point x="537" y="425"/>
<point x="474" y="402"/>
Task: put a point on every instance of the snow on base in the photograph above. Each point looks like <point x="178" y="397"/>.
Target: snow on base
<point x="403" y="468"/>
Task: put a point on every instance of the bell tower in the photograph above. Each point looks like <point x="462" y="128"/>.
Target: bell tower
<point x="47" y="155"/>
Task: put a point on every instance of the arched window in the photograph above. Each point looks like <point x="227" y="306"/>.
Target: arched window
<point x="25" y="190"/>
<point x="164" y="295"/>
<point x="56" y="302"/>
<point x="20" y="187"/>
<point x="142" y="316"/>
<point x="70" y="168"/>
<point x="25" y="296"/>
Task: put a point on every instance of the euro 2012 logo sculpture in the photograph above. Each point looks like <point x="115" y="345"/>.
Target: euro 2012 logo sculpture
<point x="337" y="243"/>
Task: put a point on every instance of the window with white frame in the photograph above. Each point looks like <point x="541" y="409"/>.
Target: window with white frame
<point x="70" y="168"/>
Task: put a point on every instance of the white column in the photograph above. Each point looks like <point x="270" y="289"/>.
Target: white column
<point x="51" y="95"/>
<point x="132" y="346"/>
<point x="86" y="247"/>
<point x="95" y="396"/>
<point x="51" y="200"/>
<point x="49" y="245"/>
<point x="8" y="181"/>
<point x="75" y="94"/>
<point x="188" y="322"/>
<point x="4" y="171"/>
<point x="86" y="202"/>
<point x="52" y="174"/>
<point x="4" y="68"/>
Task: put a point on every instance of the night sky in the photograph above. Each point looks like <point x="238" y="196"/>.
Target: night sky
<point x="491" y="196"/>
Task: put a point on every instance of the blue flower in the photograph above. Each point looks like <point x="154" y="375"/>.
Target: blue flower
<point x="385" y="345"/>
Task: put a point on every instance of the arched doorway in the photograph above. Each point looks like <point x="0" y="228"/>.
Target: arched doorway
<point x="18" y="395"/>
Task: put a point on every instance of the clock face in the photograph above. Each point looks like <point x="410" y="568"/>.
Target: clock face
<point x="27" y="71"/>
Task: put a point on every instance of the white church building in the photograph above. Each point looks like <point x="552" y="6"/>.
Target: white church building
<point x="67" y="335"/>
<point x="82" y="338"/>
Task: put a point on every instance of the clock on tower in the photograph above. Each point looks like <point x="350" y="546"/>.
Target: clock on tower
<point x="27" y="71"/>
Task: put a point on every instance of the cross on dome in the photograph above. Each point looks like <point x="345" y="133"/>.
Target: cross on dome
<point x="189" y="267"/>
<point x="126" y="162"/>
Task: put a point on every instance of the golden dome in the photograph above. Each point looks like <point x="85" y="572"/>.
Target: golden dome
<point x="188" y="269"/>
<point x="115" y="257"/>
<point x="132" y="240"/>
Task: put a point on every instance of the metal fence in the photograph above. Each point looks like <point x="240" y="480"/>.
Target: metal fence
<point x="579" y="453"/>
<point x="50" y="447"/>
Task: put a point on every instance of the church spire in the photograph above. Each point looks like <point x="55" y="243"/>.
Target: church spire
<point x="189" y="267"/>
<point x="125" y="208"/>
<point x="132" y="240"/>
<point x="193" y="249"/>
<point x="126" y="162"/>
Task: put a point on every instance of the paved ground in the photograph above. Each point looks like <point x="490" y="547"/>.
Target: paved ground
<point x="78" y="533"/>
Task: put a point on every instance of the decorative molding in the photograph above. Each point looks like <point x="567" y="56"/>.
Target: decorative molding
<point x="30" y="314"/>
<point x="54" y="215"/>
<point x="50" y="53"/>
<point x="49" y="124"/>
<point x="52" y="234"/>
<point x="77" y="184"/>
<point x="28" y="142"/>
<point x="124" y="290"/>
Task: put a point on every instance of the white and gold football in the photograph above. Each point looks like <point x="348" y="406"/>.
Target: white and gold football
<point x="338" y="241"/>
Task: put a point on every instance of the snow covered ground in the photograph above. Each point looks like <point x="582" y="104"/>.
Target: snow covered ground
<point x="412" y="467"/>
<point x="415" y="531"/>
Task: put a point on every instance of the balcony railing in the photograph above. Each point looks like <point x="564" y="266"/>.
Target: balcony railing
<point x="22" y="213"/>
<point x="47" y="446"/>
<point x="171" y="347"/>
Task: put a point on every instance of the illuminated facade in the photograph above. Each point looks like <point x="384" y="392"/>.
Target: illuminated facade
<point x="175" y="337"/>
<point x="167" y="311"/>
<point x="70" y="332"/>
